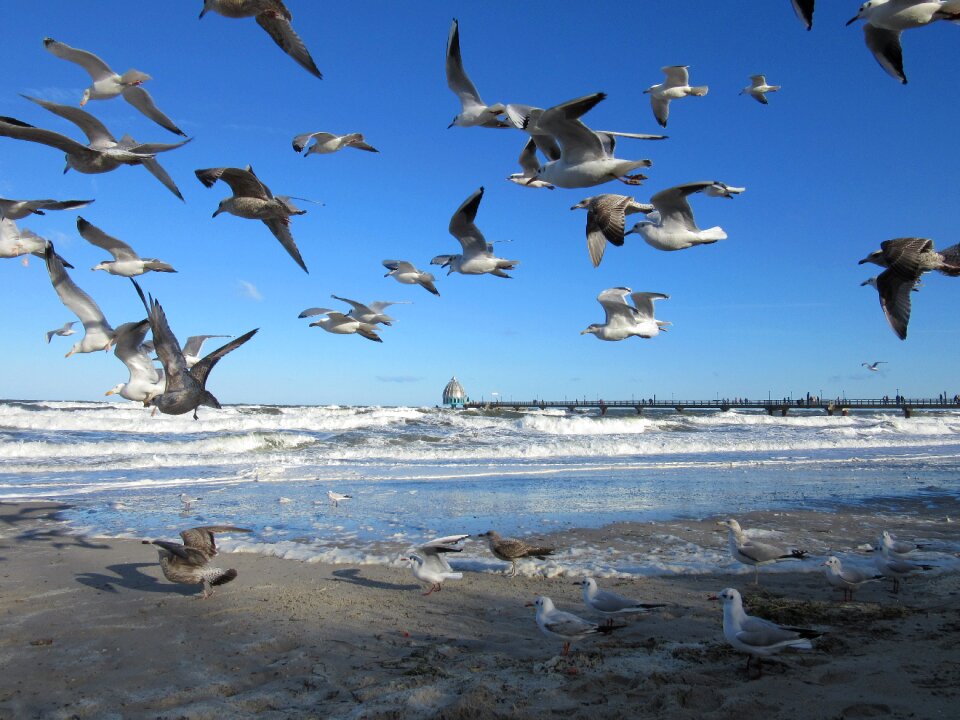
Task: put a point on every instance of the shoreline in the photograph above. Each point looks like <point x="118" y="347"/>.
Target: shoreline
<point x="94" y="630"/>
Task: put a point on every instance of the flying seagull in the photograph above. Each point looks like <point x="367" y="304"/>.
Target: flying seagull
<point x="406" y="273"/>
<point x="19" y="209"/>
<point x="146" y="381"/>
<point x="98" y="335"/>
<point x="340" y="324"/>
<point x="804" y="10"/>
<point x="372" y="313"/>
<point x="606" y="219"/>
<point x="529" y="164"/>
<point x="473" y="111"/>
<point x="477" y="257"/>
<point x="758" y="89"/>
<point x="193" y="346"/>
<point x="126" y="262"/>
<point x="624" y="320"/>
<point x="67" y="329"/>
<point x="325" y="143"/>
<point x="677" y="85"/>
<point x="189" y="563"/>
<point x="872" y="367"/>
<point x="673" y="227"/>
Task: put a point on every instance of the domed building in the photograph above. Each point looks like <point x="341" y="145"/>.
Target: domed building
<point x="454" y="395"/>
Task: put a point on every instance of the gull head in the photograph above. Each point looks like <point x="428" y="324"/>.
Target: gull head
<point x="875" y="257"/>
<point x="582" y="204"/>
<point x="729" y="595"/>
<point x="66" y="168"/>
<point x="101" y="266"/>
<point x="220" y="208"/>
<point x="867" y="6"/>
<point x="542" y="604"/>
<point x="730" y="524"/>
<point x="832" y="562"/>
<point x="453" y="122"/>
<point x="115" y="389"/>
<point x="637" y="229"/>
<point x="594" y="328"/>
<point x="587" y="584"/>
<point x="85" y="98"/>
<point x="871" y="281"/>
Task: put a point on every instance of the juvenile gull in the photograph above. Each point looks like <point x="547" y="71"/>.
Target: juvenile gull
<point x="624" y="320"/>
<point x="677" y="85"/>
<point x="98" y="335"/>
<point x="193" y="347"/>
<point x="253" y="200"/>
<point x="757" y="637"/>
<point x="755" y="553"/>
<point x="477" y="257"/>
<point x="339" y="324"/>
<point x="884" y="20"/>
<point x="19" y="209"/>
<point x="606" y="220"/>
<point x="610" y="603"/>
<point x="804" y="10"/>
<point x="325" y="143"/>
<point x="102" y="154"/>
<point x="676" y="229"/>
<point x="336" y="498"/>
<point x="758" y="89"/>
<point x="872" y="367"/>
<point x="107" y="84"/>
<point x="185" y="389"/>
<point x="372" y="313"/>
<point x="906" y="260"/>
<point x="429" y="564"/>
<point x="272" y="16"/>
<point x="67" y="329"/>
<point x="511" y="549"/>
<point x="566" y="626"/>
<point x="406" y="273"/>
<point x="126" y="262"/>
<point x="146" y="381"/>
<point x="189" y="563"/>
<point x="847" y="578"/>
<point x="529" y="164"/>
<point x="473" y="111"/>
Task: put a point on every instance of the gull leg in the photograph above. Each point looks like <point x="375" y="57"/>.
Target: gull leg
<point x="896" y="585"/>
<point x="633" y="179"/>
<point x="433" y="587"/>
<point x="514" y="573"/>
<point x="566" y="649"/>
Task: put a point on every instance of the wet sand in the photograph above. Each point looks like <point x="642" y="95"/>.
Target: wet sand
<point x="91" y="629"/>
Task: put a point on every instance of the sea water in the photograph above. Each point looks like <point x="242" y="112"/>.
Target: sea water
<point x="416" y="473"/>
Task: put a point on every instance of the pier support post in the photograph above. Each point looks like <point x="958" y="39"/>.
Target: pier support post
<point x="907" y="411"/>
<point x="639" y="409"/>
<point x="679" y="408"/>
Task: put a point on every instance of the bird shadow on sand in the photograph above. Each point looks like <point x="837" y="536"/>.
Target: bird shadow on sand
<point x="352" y="575"/>
<point x="130" y="576"/>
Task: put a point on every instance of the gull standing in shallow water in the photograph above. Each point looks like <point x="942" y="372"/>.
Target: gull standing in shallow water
<point x="325" y="143"/>
<point x="675" y="227"/>
<point x="189" y="563"/>
<point x="847" y="578"/>
<point x="107" y="84"/>
<point x="272" y="16"/>
<point x="477" y="257"/>
<point x="406" y="273"/>
<point x="624" y="320"/>
<point x="473" y="111"/>
<point x="67" y="329"/>
<point x="886" y="19"/>
<point x="511" y="549"/>
<point x="185" y="389"/>
<point x="566" y="626"/>
<point x="677" y="85"/>
<point x="751" y="552"/>
<point x="126" y="262"/>
<point x="253" y="200"/>
<point x="606" y="217"/>
<point x="98" y="335"/>
<point x="430" y="565"/>
<point x="19" y="209"/>
<point x="757" y="637"/>
<point x="906" y="259"/>
<point x="758" y="89"/>
<point x="610" y="603"/>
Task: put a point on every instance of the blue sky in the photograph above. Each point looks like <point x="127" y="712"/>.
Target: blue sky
<point x="841" y="159"/>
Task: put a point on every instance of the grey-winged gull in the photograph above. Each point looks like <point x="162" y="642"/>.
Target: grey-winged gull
<point x="325" y="143"/>
<point x="610" y="603"/>
<point x="473" y="111"/>
<point x="371" y="313"/>
<point x="98" y="335"/>
<point x="193" y="347"/>
<point x="753" y="552"/>
<point x="406" y="273"/>
<point x="477" y="257"/>
<point x="340" y="324"/>
<point x="336" y="497"/>
<point x="67" y="329"/>
<point x="676" y="85"/>
<point x="529" y="164"/>
<point x="146" y="381"/>
<point x="189" y="563"/>
<point x="847" y="578"/>
<point x="19" y="209"/>
<point x="673" y="226"/>
<point x="624" y="320"/>
<point x="430" y="565"/>
<point x="126" y="262"/>
<point x="564" y="625"/>
<point x="758" y="89"/>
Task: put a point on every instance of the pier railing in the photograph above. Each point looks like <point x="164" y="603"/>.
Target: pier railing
<point x="773" y="407"/>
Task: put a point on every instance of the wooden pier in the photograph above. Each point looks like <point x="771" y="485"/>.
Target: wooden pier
<point x="837" y="406"/>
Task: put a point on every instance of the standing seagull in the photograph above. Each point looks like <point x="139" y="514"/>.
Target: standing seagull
<point x="253" y="200"/>
<point x="145" y="381"/>
<point x="125" y="261"/>
<point x="98" y="335"/>
<point x="804" y="11"/>
<point x="894" y="567"/>
<point x="606" y="219"/>
<point x="906" y="259"/>
<point x="430" y="565"/>
<point x="886" y="19"/>
<point x="848" y="578"/>
<point x="757" y="637"/>
<point x="566" y="626"/>
<point x="677" y="85"/>
<point x="610" y="603"/>
<point x="624" y="320"/>
<point x="325" y="143"/>
<point x="872" y="367"/>
<point x="102" y="154"/>
<point x="19" y="209"/>
<point x="107" y="84"/>
<point x="511" y="549"/>
<point x="758" y="89"/>
<point x="185" y="390"/>
<point x="272" y="16"/>
<point x="676" y="229"/>
<point x="473" y="111"/>
<point x="406" y="273"/>
<point x="477" y="257"/>
<point x="896" y="548"/>
<point x="67" y="329"/>
<point x="189" y="563"/>
<point x="755" y="553"/>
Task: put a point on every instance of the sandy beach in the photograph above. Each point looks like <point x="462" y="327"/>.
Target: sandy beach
<point x="91" y="629"/>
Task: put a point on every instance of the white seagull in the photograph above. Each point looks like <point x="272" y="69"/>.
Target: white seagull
<point x="566" y="626"/>
<point x="98" y="335"/>
<point x="873" y="367"/>
<point x="676" y="229"/>
<point x="529" y="164"/>
<point x="406" y="273"/>
<point x="146" y="380"/>
<point x="884" y="20"/>
<point x="804" y="11"/>
<point x="894" y="567"/>
<point x="272" y="16"/>
<point x="325" y="143"/>
<point x="429" y="564"/>
<point x="16" y="242"/>
<point x="758" y="88"/>
<point x="107" y="84"/>
<point x="606" y="218"/>
<point x="126" y="262"/>
<point x="677" y="85"/>
<point x="893" y="547"/>
<point x="337" y="498"/>
<point x="624" y="320"/>
<point x="757" y="637"/>
<point x="477" y="257"/>
<point x="610" y="603"/>
<point x="755" y="553"/>
<point x="67" y="329"/>
<point x="253" y="200"/>
<point x="847" y="578"/>
<point x="473" y="111"/>
<point x="19" y="209"/>
<point x="371" y="313"/>
<point x="339" y="324"/>
<point x="187" y="501"/>
<point x="193" y="346"/>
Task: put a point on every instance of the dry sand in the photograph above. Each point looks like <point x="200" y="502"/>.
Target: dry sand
<point x="91" y="629"/>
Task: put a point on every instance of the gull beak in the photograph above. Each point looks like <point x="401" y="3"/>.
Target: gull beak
<point x="529" y="604"/>
<point x="713" y="598"/>
<point x="109" y="392"/>
<point x="216" y="213"/>
<point x="66" y="168"/>
<point x="852" y="20"/>
<point x="203" y="12"/>
<point x="69" y="353"/>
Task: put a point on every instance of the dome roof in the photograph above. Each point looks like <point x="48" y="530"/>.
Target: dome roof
<point x="454" y="391"/>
